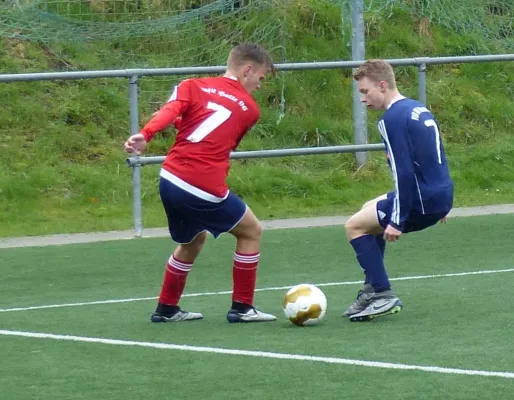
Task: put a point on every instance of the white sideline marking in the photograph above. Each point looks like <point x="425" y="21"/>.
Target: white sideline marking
<point x="403" y="278"/>
<point x="264" y="354"/>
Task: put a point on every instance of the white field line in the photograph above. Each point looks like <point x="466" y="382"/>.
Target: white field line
<point x="403" y="278"/>
<point x="262" y="354"/>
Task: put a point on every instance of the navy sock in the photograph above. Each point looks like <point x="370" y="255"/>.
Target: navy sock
<point x="371" y="261"/>
<point x="379" y="239"/>
<point x="381" y="243"/>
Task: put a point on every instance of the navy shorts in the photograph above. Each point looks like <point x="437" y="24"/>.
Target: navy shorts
<point x="188" y="215"/>
<point x="416" y="220"/>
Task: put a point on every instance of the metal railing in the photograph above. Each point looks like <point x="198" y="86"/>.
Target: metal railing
<point x="133" y="76"/>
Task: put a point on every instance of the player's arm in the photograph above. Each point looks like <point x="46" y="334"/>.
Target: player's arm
<point x="177" y="104"/>
<point x="166" y="116"/>
<point x="400" y="156"/>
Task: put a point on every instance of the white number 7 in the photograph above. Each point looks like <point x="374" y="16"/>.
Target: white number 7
<point x="220" y="115"/>
<point x="429" y="123"/>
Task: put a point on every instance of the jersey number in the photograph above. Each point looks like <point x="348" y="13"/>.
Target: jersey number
<point x="220" y="115"/>
<point x="429" y="123"/>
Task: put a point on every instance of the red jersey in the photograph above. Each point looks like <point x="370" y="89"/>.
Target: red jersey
<point x="216" y="114"/>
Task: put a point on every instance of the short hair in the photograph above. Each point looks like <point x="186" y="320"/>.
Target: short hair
<point x="249" y="52"/>
<point x="376" y="71"/>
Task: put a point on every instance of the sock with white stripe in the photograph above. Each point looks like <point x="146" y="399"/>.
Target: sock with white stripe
<point x="174" y="282"/>
<point x="244" y="275"/>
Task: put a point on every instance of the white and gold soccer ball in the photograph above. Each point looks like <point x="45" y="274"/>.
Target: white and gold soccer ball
<point x="305" y="304"/>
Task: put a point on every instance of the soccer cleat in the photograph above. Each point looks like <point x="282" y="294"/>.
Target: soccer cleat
<point x="177" y="316"/>
<point x="252" y="315"/>
<point x="362" y="301"/>
<point x="383" y="303"/>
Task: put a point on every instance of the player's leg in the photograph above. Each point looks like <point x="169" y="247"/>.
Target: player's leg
<point x="230" y="215"/>
<point x="191" y="238"/>
<point x="360" y="224"/>
<point x="248" y="232"/>
<point x="187" y="252"/>
<point x="379" y="238"/>
<point x="385" y="302"/>
<point x="362" y="230"/>
<point x="367" y="212"/>
<point x="175" y="276"/>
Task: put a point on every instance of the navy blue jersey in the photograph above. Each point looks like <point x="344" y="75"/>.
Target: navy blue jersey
<point x="417" y="159"/>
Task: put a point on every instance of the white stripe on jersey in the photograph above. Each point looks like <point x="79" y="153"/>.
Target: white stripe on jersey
<point x="419" y="193"/>
<point x="173" y="95"/>
<point x="395" y="214"/>
<point x="190" y="188"/>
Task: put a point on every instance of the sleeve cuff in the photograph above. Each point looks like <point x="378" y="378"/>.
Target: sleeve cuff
<point x="147" y="136"/>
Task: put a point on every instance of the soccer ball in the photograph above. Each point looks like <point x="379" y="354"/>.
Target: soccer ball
<point x="305" y="304"/>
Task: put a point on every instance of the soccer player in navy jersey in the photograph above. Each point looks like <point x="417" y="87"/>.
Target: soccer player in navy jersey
<point x="212" y="115"/>
<point x="423" y="192"/>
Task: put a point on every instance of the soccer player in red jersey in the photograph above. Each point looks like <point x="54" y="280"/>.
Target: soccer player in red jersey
<point x="215" y="114"/>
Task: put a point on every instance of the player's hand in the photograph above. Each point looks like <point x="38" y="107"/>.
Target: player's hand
<point x="135" y="144"/>
<point x="392" y="234"/>
<point x="443" y="220"/>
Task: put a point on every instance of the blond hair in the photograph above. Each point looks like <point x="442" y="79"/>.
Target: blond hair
<point x="249" y="52"/>
<point x="376" y="71"/>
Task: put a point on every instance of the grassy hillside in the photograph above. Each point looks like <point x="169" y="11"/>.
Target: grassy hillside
<point x="63" y="169"/>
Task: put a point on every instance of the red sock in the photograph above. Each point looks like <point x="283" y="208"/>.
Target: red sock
<point x="244" y="275"/>
<point x="175" y="278"/>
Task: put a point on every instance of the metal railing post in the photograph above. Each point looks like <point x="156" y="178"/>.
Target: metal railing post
<point x="360" y="124"/>
<point x="422" y="83"/>
<point x="136" y="168"/>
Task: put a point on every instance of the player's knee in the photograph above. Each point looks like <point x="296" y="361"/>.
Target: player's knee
<point x="259" y="229"/>
<point x="188" y="252"/>
<point x="250" y="231"/>
<point x="255" y="231"/>
<point x="196" y="245"/>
